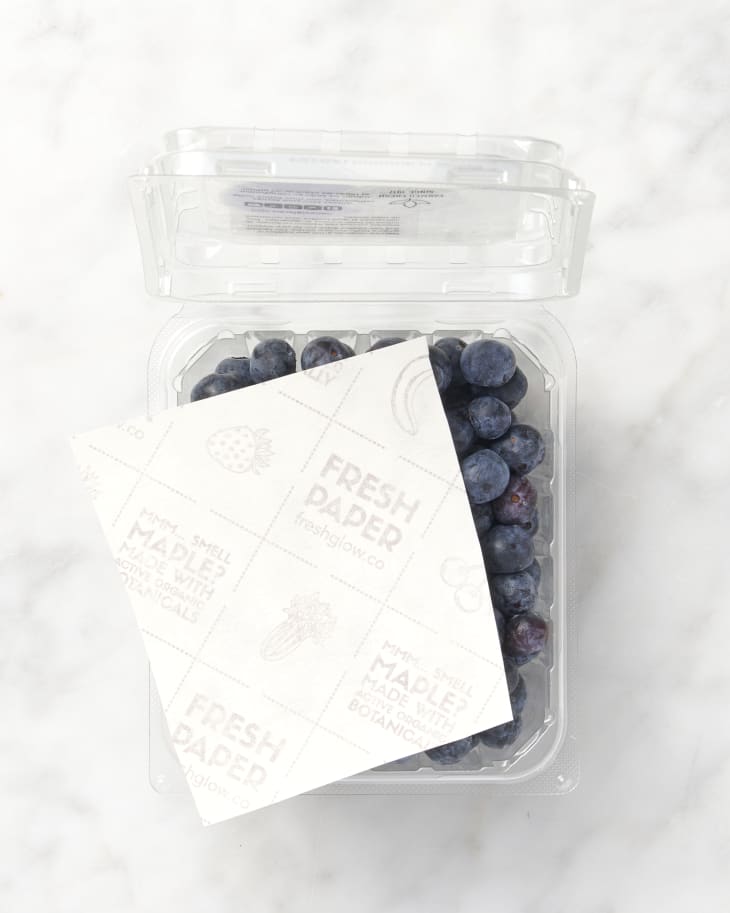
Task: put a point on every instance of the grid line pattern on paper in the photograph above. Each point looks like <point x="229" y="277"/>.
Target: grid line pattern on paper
<point x="484" y="659"/>
<point x="490" y="695"/>
<point x="437" y="511"/>
<point x="415" y="621"/>
<point x="331" y="419"/>
<point x="195" y="658"/>
<point x="334" y="421"/>
<point x="451" y="483"/>
<point x="251" y="532"/>
<point x="263" y="539"/>
<point x="383" y="605"/>
<point x="307" y="719"/>
<point x="391" y="608"/>
<point x="142" y="473"/>
<point x="187" y="653"/>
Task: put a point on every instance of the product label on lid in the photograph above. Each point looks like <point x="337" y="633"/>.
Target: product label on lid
<point x="328" y="209"/>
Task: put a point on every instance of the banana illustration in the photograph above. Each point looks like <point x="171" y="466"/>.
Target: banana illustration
<point x="405" y="388"/>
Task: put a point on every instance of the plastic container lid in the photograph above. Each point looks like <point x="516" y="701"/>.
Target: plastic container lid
<point x="243" y="214"/>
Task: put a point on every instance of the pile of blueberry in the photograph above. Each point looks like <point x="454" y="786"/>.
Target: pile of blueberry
<point x="270" y="358"/>
<point x="480" y="384"/>
<point x="480" y="387"/>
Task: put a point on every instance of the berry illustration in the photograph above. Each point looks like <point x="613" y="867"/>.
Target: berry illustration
<point x="241" y="449"/>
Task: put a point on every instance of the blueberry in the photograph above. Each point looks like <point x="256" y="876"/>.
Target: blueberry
<point x="489" y="416"/>
<point x="525" y="637"/>
<point x="272" y="358"/>
<point x="488" y="363"/>
<point x="452" y="346"/>
<point x="533" y="524"/>
<point x="485" y="476"/>
<point x="441" y="367"/>
<point x="452" y="752"/>
<point x="507" y="549"/>
<point x="462" y="432"/>
<point x="457" y="398"/>
<point x="384" y="343"/>
<point x="517" y="502"/>
<point x="513" y="392"/>
<point x="522" y="448"/>
<point x="213" y="385"/>
<point x="483" y="517"/>
<point x="323" y="351"/>
<point x="237" y="366"/>
<point x="535" y="571"/>
<point x="511" y="673"/>
<point x="503" y="735"/>
<point x="518" y="696"/>
<point x="514" y="593"/>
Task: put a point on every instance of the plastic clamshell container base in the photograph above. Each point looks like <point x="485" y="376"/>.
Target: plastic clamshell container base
<point x="508" y="230"/>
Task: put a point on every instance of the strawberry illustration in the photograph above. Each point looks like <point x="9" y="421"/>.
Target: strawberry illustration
<point x="241" y="449"/>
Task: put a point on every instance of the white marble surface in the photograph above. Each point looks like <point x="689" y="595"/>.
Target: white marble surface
<point x="638" y="93"/>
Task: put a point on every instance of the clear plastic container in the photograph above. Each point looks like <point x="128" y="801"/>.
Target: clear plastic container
<point x="362" y="235"/>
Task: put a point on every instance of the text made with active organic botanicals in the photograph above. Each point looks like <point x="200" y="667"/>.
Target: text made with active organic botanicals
<point x="356" y="512"/>
<point x="402" y="695"/>
<point x="178" y="572"/>
<point x="225" y="751"/>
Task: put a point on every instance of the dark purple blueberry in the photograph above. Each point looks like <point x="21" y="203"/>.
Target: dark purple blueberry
<point x="513" y="392"/>
<point x="485" y="476"/>
<point x="213" y="385"/>
<point x="462" y="433"/>
<point x="535" y="571"/>
<point x="517" y="502"/>
<point x="237" y="366"/>
<point x="511" y="673"/>
<point x="323" y="351"/>
<point x="441" y="367"/>
<point x="507" y="549"/>
<point x="518" y="696"/>
<point x="483" y="517"/>
<point x="384" y="343"/>
<point x="488" y="363"/>
<point x="489" y="416"/>
<point x="522" y="448"/>
<point x="272" y="358"/>
<point x="452" y="346"/>
<point x="513" y="594"/>
<point x="456" y="398"/>
<point x="525" y="637"/>
<point x="501" y="736"/>
<point x="533" y="524"/>
<point x="452" y="752"/>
